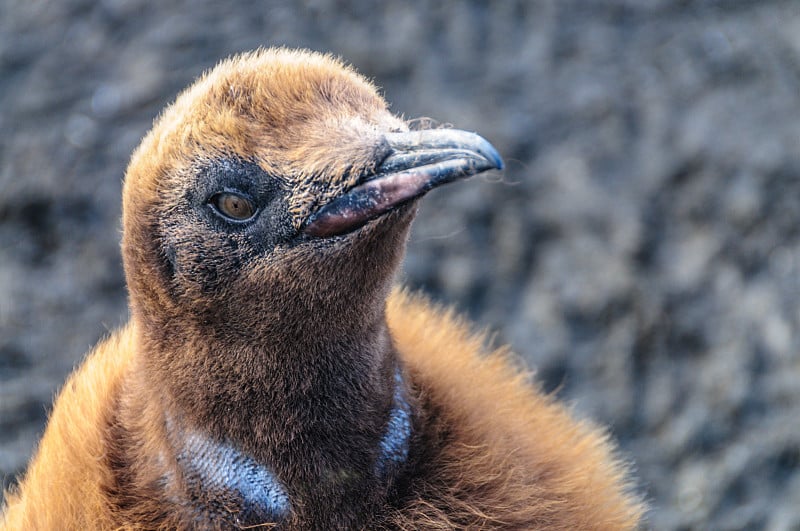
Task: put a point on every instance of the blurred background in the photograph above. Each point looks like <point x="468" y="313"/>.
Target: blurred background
<point x="641" y="250"/>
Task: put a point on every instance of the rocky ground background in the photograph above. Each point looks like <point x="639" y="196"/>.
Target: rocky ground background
<point x="641" y="251"/>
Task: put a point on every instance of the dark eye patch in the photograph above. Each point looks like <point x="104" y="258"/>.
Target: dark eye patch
<point x="236" y="195"/>
<point x="240" y="177"/>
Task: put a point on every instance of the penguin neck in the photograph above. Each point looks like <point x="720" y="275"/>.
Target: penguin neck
<point x="312" y="389"/>
<point x="322" y="369"/>
<point x="304" y="355"/>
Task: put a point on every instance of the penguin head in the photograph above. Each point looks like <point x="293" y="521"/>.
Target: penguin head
<point x="278" y="183"/>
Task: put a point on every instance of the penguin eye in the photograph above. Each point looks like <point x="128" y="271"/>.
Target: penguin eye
<point x="233" y="206"/>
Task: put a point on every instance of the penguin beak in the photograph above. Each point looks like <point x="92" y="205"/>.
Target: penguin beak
<point x="418" y="162"/>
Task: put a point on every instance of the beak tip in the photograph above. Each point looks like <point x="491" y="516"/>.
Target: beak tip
<point x="484" y="148"/>
<point x="496" y="160"/>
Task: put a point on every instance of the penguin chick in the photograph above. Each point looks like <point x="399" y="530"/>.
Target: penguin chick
<point x="269" y="375"/>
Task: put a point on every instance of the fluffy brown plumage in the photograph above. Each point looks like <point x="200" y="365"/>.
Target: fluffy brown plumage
<point x="277" y="334"/>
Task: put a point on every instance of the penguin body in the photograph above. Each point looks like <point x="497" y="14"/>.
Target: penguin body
<point x="270" y="375"/>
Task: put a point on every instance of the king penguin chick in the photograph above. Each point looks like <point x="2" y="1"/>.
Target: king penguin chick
<point x="269" y="374"/>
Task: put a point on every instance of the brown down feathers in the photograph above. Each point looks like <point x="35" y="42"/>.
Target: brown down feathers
<point x="490" y="450"/>
<point x="533" y="464"/>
